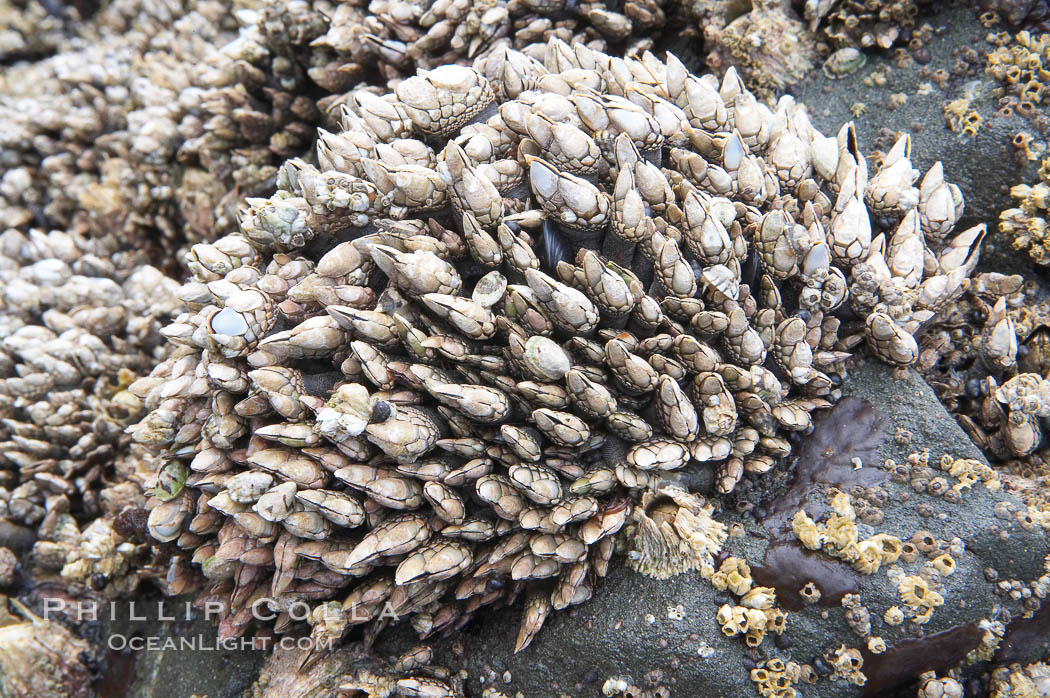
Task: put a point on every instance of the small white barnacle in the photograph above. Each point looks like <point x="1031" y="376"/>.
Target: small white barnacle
<point x="613" y="686"/>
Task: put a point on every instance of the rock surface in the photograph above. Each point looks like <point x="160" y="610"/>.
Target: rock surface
<point x="626" y="629"/>
<point x="171" y="669"/>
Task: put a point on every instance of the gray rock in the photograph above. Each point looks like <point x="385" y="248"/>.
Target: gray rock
<point x="984" y="167"/>
<point x="626" y="630"/>
<point x="166" y="668"/>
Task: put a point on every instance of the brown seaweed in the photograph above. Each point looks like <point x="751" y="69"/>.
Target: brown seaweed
<point x="853" y="429"/>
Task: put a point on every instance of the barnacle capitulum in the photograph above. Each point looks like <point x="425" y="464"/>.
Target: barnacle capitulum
<point x="843" y="62"/>
<point x="440" y="390"/>
<point x="40" y="656"/>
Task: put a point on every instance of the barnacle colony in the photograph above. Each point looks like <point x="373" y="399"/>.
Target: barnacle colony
<point x="77" y="326"/>
<point x="512" y="310"/>
<point x="1025" y="224"/>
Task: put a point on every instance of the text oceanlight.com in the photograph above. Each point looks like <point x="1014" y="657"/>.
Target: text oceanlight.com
<point x="202" y="643"/>
<point x="263" y="609"/>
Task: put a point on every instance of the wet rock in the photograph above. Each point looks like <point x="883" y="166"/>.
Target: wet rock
<point x="164" y="648"/>
<point x="633" y="627"/>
